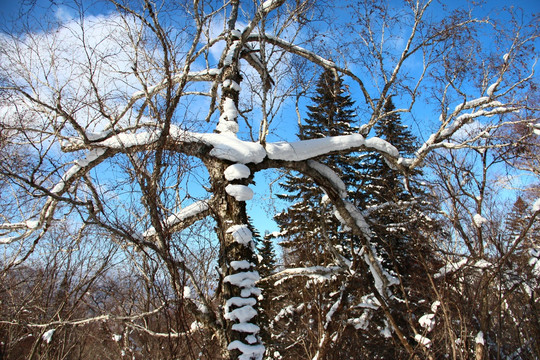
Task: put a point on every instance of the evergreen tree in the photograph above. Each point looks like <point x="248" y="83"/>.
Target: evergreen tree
<point x="267" y="266"/>
<point x="399" y="217"/>
<point x="267" y="257"/>
<point x="516" y="218"/>
<point x="307" y="223"/>
<point x="516" y="223"/>
<point x="400" y="223"/>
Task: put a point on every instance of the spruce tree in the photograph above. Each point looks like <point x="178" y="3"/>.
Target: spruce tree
<point x="267" y="257"/>
<point x="399" y="217"/>
<point x="267" y="266"/>
<point x="400" y="222"/>
<point x="515" y="225"/>
<point x="307" y="223"/>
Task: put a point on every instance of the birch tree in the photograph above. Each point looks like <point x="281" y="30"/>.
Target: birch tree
<point x="136" y="123"/>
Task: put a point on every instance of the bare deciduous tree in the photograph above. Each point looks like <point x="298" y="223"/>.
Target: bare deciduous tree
<point x="133" y="124"/>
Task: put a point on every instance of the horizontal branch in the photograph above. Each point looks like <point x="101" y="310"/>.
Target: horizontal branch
<point x="101" y="318"/>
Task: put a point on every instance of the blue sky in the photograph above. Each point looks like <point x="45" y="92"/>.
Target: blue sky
<point x="10" y="10"/>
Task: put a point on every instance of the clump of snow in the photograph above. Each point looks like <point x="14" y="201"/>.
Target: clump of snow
<point x="479" y="338"/>
<point x="479" y="220"/>
<point x="267" y="4"/>
<point x="32" y="224"/>
<point x="242" y="314"/>
<point x="245" y="279"/>
<point x="427" y="321"/>
<point x="241" y="234"/>
<point x="187" y="292"/>
<point x="116" y="337"/>
<point x="239" y="301"/>
<point x="227" y="127"/>
<point x="422" y="340"/>
<point x="248" y="291"/>
<point x="242" y="264"/>
<point x="196" y="326"/>
<point x="435" y="306"/>
<point x="251" y="339"/>
<point x="536" y="205"/>
<point x="386" y="331"/>
<point x="47" y="336"/>
<point x="246" y="328"/>
<point x="362" y="322"/>
<point x="249" y="352"/>
<point x="230" y="84"/>
<point x="325" y="199"/>
<point x="239" y="192"/>
<point x="236" y="171"/>
<point x="230" y="112"/>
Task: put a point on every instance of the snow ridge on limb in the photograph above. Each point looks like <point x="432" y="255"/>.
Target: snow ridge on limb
<point x="317" y="272"/>
<point x="484" y="106"/>
<point x="196" y="210"/>
<point x="330" y="174"/>
<point x="349" y="215"/>
<point x="308" y="149"/>
<point x="226" y="147"/>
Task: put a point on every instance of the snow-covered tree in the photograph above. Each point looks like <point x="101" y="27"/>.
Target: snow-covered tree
<point x="307" y="224"/>
<point x="144" y="125"/>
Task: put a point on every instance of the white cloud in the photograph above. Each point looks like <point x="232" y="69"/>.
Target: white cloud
<point x="63" y="14"/>
<point x="68" y="61"/>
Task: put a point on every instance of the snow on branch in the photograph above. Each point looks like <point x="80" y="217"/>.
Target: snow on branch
<point x="319" y="272"/>
<point x="223" y="146"/>
<point x="309" y="149"/>
<point x="331" y="175"/>
<point x="190" y="213"/>
<point x="482" y="107"/>
<point x="231" y="148"/>
<point x="171" y="334"/>
<point x="79" y="322"/>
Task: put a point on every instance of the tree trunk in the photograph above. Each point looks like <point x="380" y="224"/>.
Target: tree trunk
<point x="237" y="262"/>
